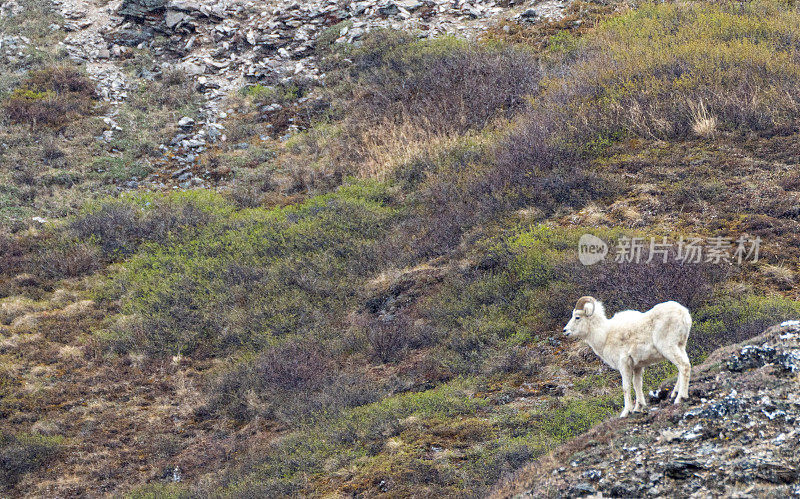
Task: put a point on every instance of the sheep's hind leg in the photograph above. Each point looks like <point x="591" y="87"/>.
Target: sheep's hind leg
<point x="641" y="403"/>
<point x="625" y="371"/>
<point x="678" y="356"/>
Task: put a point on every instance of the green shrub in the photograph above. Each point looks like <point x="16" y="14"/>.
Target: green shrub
<point x="354" y="436"/>
<point x="391" y="441"/>
<point x="119" y="169"/>
<point x="668" y="70"/>
<point x="253" y="275"/>
<point x="282" y="93"/>
<point x="120" y="226"/>
<point x="160" y="491"/>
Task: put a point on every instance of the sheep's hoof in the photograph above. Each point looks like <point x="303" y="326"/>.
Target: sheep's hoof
<point x="624" y="413"/>
<point x="640" y="408"/>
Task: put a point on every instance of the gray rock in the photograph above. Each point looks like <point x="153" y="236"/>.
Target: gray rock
<point x="529" y="15"/>
<point x="181" y="172"/>
<point x="581" y="489"/>
<point x="752" y="356"/>
<point x="355" y="33"/>
<point x="410" y="5"/>
<point x="186" y="122"/>
<point x="389" y="9"/>
<point x="681" y="469"/>
<point x="213" y="134"/>
<point x="141" y="8"/>
<point x="777" y="473"/>
<point x="191" y="68"/>
<point x="592" y="474"/>
<point x="174" y="18"/>
<point x="131" y="37"/>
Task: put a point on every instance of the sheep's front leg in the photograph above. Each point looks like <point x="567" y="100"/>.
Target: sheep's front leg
<point x="626" y="372"/>
<point x="641" y="403"/>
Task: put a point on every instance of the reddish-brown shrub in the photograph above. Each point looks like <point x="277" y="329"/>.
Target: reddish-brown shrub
<point x="51" y="96"/>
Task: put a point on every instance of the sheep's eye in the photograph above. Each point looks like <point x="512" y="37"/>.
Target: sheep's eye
<point x="577" y="318"/>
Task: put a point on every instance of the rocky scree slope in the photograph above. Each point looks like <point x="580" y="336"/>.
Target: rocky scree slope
<point x="736" y="437"/>
<point x="226" y="44"/>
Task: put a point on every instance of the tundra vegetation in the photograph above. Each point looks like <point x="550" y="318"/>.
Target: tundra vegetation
<point x="374" y="304"/>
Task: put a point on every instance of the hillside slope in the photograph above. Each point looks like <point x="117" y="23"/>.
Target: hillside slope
<point x="259" y="249"/>
<point x="736" y="436"/>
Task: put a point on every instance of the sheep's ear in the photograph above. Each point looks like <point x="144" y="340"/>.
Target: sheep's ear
<point x="588" y="308"/>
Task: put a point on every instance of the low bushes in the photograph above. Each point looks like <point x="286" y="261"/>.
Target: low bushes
<point x="112" y="229"/>
<point x="252" y="275"/>
<point x="443" y="85"/>
<point x="663" y="71"/>
<point x="353" y="436"/>
<point x="729" y="319"/>
<point x="295" y="381"/>
<point x="398" y="95"/>
<point x="120" y="226"/>
<point x="442" y="441"/>
<point x="51" y="96"/>
<point x="672" y="71"/>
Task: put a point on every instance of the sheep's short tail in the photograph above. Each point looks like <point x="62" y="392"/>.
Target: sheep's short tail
<point x="686" y="321"/>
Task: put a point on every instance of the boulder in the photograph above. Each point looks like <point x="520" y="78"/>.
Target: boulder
<point x="174" y="18"/>
<point x="141" y="8"/>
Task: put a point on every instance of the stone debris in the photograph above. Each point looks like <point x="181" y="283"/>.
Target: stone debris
<point x="753" y="356"/>
<point x="10" y="8"/>
<point x="12" y="49"/>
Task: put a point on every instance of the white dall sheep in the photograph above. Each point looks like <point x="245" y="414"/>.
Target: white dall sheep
<point x="631" y="341"/>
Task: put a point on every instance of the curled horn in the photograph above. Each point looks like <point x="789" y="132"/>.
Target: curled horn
<point x="582" y="301"/>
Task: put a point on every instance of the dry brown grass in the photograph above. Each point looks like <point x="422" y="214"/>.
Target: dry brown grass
<point x="703" y="123"/>
<point x="780" y="275"/>
<point x="16" y="306"/>
<point x="389" y="144"/>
